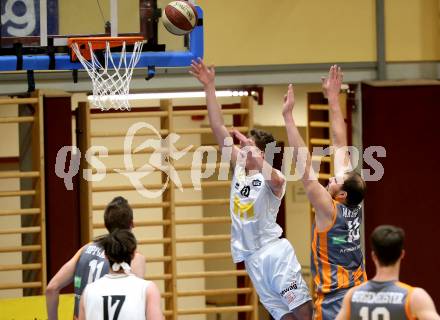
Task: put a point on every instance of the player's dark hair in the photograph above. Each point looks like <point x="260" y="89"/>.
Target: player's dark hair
<point x="261" y="138"/>
<point x="118" y="215"/>
<point x="387" y="244"/>
<point x="355" y="187"/>
<point x="119" y="245"/>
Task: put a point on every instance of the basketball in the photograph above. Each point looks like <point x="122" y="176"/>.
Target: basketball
<point x="179" y="17"/>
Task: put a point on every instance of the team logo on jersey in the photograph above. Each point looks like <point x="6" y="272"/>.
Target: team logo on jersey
<point x="338" y="240"/>
<point x="245" y="191"/>
<point x="256" y="183"/>
<point x="237" y="185"/>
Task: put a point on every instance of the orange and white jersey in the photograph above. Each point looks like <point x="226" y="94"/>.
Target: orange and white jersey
<point x="253" y="209"/>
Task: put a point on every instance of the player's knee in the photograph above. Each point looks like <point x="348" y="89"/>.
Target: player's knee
<point x="302" y="312"/>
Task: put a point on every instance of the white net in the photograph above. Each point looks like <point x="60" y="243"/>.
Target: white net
<point x="111" y="81"/>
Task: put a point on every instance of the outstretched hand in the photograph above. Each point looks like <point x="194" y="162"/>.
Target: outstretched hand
<point x="289" y="101"/>
<point x="203" y="73"/>
<point x="331" y="85"/>
<point x="244" y="141"/>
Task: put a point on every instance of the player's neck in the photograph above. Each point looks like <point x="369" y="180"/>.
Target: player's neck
<point x="117" y="272"/>
<point x="388" y="273"/>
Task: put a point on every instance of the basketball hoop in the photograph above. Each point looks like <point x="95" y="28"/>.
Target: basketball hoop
<point x="111" y="81"/>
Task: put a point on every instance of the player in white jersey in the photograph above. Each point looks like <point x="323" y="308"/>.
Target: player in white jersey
<point x="120" y="295"/>
<point x="89" y="263"/>
<point x="256" y="193"/>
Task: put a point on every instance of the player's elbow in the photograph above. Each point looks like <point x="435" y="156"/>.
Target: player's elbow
<point x="52" y="289"/>
<point x="278" y="182"/>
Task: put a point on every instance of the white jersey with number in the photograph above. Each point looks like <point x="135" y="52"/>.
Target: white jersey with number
<point x="254" y="210"/>
<point x="116" y="297"/>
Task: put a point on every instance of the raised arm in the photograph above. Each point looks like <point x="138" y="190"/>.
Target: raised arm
<point x="331" y="86"/>
<point x="61" y="279"/>
<point x="422" y="306"/>
<point x="317" y="194"/>
<point x="206" y="76"/>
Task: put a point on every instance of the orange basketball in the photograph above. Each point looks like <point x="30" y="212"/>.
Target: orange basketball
<point x="179" y="17"/>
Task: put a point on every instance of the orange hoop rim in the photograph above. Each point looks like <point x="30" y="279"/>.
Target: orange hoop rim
<point x="111" y="40"/>
<point x="99" y="43"/>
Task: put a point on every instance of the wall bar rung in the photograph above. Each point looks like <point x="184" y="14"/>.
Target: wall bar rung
<point x="153" y="241"/>
<point x="127" y="187"/>
<point x="19" y="174"/>
<point x="20" y="248"/>
<point x="206" y="256"/>
<point x="20" y="285"/>
<point x="18" y="101"/>
<point x="318" y="107"/>
<point x="17" y="193"/>
<point x="205" y="202"/>
<point x="19" y="212"/>
<point x="216" y="237"/>
<point x="205" y="112"/>
<point x="27" y="266"/>
<point x="214" y="292"/>
<point x="206" y="130"/>
<point x="159" y="277"/>
<point x="136" y="205"/>
<point x="21" y="230"/>
<point x="128" y="115"/>
<point x="317" y="141"/>
<point x="158" y="259"/>
<point x="322" y="159"/>
<point x="246" y="308"/>
<point x="211" y="274"/>
<point x="144" y="223"/>
<point x="319" y="124"/>
<point x="114" y="134"/>
<point x="16" y="119"/>
<point x="204" y="220"/>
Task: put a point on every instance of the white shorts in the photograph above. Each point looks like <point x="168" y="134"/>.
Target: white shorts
<point x="276" y="275"/>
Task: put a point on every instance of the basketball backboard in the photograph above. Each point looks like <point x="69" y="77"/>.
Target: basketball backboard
<point x="34" y="33"/>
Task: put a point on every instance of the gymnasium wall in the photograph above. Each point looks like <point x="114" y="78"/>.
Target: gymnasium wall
<point x="141" y="232"/>
<point x="404" y="120"/>
<point x="261" y="32"/>
<point x="266" y="116"/>
<point x="412" y="30"/>
<point x="9" y="143"/>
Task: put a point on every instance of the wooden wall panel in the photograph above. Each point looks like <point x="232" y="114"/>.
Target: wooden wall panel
<point x="404" y="120"/>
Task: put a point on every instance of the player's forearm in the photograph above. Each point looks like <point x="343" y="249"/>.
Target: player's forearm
<point x="293" y="136"/>
<point x="214" y="110"/>
<point x="338" y="128"/>
<point x="303" y="162"/>
<point x="338" y="132"/>
<point x="215" y="116"/>
<point x="52" y="301"/>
